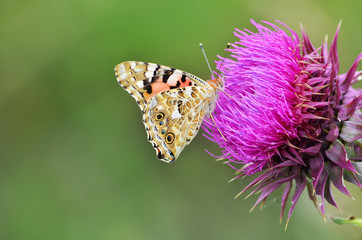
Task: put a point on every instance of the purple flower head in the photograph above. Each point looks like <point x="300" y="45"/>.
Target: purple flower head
<point x="286" y="114"/>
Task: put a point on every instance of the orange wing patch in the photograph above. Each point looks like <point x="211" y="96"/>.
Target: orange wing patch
<point x="174" y="81"/>
<point x="156" y="87"/>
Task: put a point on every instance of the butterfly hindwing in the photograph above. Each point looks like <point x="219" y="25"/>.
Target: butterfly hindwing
<point x="174" y="118"/>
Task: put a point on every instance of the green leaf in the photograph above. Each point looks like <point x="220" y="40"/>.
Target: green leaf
<point x="352" y="220"/>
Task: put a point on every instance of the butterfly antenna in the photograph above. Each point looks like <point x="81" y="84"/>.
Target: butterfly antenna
<point x="217" y="127"/>
<point x="223" y="58"/>
<point x="208" y="64"/>
<point x="207" y="61"/>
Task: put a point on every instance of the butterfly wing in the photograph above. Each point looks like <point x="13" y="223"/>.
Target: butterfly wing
<point x="174" y="117"/>
<point x="144" y="80"/>
<point x="173" y="103"/>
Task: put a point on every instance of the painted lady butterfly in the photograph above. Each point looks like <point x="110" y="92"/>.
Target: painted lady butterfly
<point x="173" y="103"/>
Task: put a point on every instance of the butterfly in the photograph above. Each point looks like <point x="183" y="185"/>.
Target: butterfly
<point x="173" y="103"/>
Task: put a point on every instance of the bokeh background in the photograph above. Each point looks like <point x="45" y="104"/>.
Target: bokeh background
<point x="74" y="160"/>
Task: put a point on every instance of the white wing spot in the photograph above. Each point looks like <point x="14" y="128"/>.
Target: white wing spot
<point x="124" y="76"/>
<point x="140" y="84"/>
<point x="188" y="91"/>
<point x="151" y="65"/>
<point x="149" y="74"/>
<point x="137" y="70"/>
<point x="175" y="114"/>
<point x="121" y="68"/>
<point x="153" y="103"/>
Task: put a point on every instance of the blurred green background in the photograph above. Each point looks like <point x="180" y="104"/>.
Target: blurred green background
<point x="74" y="160"/>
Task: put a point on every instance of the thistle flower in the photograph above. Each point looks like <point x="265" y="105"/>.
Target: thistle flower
<point x="286" y="114"/>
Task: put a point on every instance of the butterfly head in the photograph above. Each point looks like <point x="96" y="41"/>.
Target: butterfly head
<point x="217" y="83"/>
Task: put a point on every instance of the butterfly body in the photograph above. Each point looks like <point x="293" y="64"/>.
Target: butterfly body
<point x="173" y="103"/>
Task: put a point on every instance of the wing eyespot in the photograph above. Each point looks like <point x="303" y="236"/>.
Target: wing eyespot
<point x="160" y="116"/>
<point x="170" y="138"/>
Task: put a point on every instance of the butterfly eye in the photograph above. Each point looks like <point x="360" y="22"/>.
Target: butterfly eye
<point x="169" y="138"/>
<point x="159" y="116"/>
